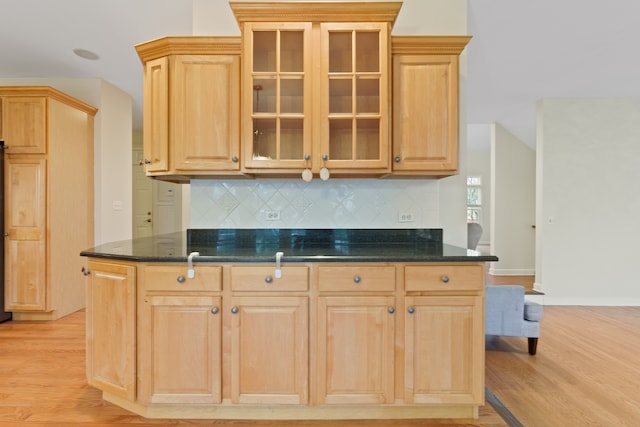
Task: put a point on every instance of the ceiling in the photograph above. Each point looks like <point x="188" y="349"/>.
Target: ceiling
<point x="521" y="51"/>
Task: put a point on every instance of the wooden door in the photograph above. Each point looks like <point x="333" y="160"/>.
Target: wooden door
<point x="356" y="350"/>
<point x="156" y="116"/>
<point x="111" y="328"/>
<point x="270" y="351"/>
<point x="444" y="350"/>
<point x="180" y="349"/>
<point x="26" y="286"/>
<point x="425" y="113"/>
<point x="24" y="123"/>
<point x="205" y="126"/>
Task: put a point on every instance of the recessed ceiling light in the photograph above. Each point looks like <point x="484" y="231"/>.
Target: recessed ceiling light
<point x="86" y="54"/>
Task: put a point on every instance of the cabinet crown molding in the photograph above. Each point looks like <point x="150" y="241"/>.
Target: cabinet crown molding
<point x="50" y="92"/>
<point x="433" y="45"/>
<point x="188" y="45"/>
<point x="316" y="11"/>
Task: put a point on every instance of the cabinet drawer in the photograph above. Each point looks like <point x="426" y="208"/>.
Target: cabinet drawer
<point x="443" y="278"/>
<point x="263" y="279"/>
<point x="357" y="278"/>
<point x="174" y="278"/>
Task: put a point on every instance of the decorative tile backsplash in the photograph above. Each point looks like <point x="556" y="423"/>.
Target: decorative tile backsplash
<point x="337" y="203"/>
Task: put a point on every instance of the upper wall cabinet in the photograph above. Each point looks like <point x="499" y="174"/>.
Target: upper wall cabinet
<point x="191" y="106"/>
<point x="315" y="87"/>
<point x="425" y="104"/>
<point x="309" y="88"/>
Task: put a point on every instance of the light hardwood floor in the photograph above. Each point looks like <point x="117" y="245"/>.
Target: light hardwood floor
<point x="586" y="373"/>
<point x="42" y="383"/>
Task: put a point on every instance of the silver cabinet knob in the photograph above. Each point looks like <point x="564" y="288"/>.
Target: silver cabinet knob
<point x="180" y="279"/>
<point x="357" y="279"/>
<point x="234" y="159"/>
<point x="85" y="271"/>
<point x="325" y="157"/>
<point x="397" y="159"/>
<point x="391" y="310"/>
<point x="215" y="310"/>
<point x="445" y="279"/>
<point x="268" y="279"/>
<point x="234" y="309"/>
<point x="411" y="310"/>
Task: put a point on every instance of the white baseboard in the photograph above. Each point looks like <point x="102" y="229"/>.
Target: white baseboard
<point x="603" y="302"/>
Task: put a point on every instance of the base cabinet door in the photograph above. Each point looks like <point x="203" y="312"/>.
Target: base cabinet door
<point x="356" y="350"/>
<point x="180" y="348"/>
<point x="270" y="350"/>
<point x="111" y="328"/>
<point x="444" y="350"/>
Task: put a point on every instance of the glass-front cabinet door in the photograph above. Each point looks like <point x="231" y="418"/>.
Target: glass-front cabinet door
<point x="354" y="127"/>
<point x="277" y="102"/>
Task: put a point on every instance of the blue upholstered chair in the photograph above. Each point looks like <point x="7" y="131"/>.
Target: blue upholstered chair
<point x="507" y="313"/>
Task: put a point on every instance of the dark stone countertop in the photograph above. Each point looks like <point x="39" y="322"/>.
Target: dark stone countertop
<point x="297" y="245"/>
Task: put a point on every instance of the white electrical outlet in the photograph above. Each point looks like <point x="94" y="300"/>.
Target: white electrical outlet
<point x="272" y="215"/>
<point x="405" y="217"/>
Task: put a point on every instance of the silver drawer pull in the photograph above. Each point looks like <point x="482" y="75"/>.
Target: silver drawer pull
<point x="268" y="279"/>
<point x="357" y="279"/>
<point x="445" y="279"/>
<point x="411" y="310"/>
<point x="215" y="310"/>
<point x="234" y="309"/>
<point x="180" y="279"/>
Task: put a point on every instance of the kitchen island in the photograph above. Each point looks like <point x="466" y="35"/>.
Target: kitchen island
<point x="288" y="324"/>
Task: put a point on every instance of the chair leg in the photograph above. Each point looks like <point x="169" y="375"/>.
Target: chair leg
<point x="533" y="345"/>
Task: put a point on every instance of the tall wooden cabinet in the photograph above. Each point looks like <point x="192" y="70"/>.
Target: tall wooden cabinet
<point x="48" y="185"/>
<point x="425" y="104"/>
<point x="191" y="106"/>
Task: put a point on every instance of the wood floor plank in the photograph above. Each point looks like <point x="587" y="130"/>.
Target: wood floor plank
<point x="586" y="370"/>
<point x="43" y="383"/>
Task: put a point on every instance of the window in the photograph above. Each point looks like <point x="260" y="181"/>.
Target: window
<point x="474" y="198"/>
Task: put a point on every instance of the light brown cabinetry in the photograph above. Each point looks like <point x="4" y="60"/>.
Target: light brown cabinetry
<point x="191" y="106"/>
<point x="315" y="87"/>
<point x="48" y="184"/>
<point x="425" y="104"/>
<point x="270" y="350"/>
<point x="356" y="331"/>
<point x="356" y="349"/>
<point x="269" y="335"/>
<point x="180" y="335"/>
<point x="321" y="340"/>
<point x="314" y="93"/>
<point x="444" y="334"/>
<point x="111" y="326"/>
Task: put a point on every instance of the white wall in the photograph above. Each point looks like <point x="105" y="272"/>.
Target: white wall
<point x="438" y="203"/>
<point x="513" y="196"/>
<point x="588" y="172"/>
<point x="112" y="149"/>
